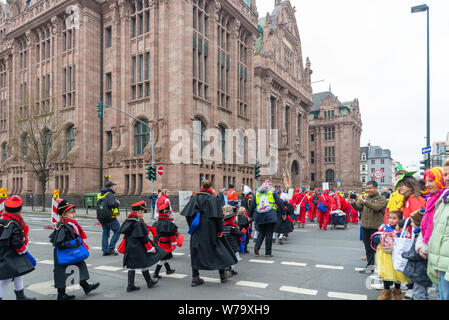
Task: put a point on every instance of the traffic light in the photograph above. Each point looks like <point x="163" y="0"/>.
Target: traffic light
<point x="425" y="166"/>
<point x="100" y="110"/>
<point x="151" y="173"/>
<point x="256" y="171"/>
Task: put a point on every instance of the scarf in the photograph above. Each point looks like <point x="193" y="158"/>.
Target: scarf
<point x="77" y="229"/>
<point x="208" y="190"/>
<point x="20" y="221"/>
<point x="231" y="222"/>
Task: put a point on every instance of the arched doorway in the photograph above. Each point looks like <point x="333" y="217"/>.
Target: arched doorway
<point x="294" y="174"/>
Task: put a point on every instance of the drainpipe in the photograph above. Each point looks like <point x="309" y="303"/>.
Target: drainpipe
<point x="101" y="99"/>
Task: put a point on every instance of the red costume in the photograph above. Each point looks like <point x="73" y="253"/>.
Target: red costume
<point x="323" y="217"/>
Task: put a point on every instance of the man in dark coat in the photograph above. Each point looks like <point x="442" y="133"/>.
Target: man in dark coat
<point x="208" y="249"/>
<point x="110" y="223"/>
<point x="14" y="263"/>
<point x="139" y="251"/>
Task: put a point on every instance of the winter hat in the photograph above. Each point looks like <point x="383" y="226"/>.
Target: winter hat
<point x="417" y="217"/>
<point x="246" y="190"/>
<point x="63" y="206"/>
<point x="13" y="204"/>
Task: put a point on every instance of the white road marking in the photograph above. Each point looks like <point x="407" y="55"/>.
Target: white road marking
<point x="43" y="243"/>
<point x="173" y="275"/>
<point x="298" y="290"/>
<point x="347" y="296"/>
<point x="32" y="230"/>
<point x="45" y="261"/>
<point x="178" y="253"/>
<point x="261" y="261"/>
<point x="97" y="248"/>
<point x="323" y="266"/>
<point x="359" y="269"/>
<point x="252" y="284"/>
<point x="108" y="268"/>
<point x="47" y="287"/>
<point x="298" y="264"/>
<point x="207" y="279"/>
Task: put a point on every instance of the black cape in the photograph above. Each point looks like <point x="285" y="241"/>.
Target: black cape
<point x="285" y="226"/>
<point x="63" y="233"/>
<point x="207" y="250"/>
<point x="12" y="264"/>
<point x="136" y="255"/>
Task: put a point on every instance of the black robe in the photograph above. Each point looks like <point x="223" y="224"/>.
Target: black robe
<point x="12" y="264"/>
<point x="166" y="231"/>
<point x="63" y="233"/>
<point x="285" y="226"/>
<point x="207" y="250"/>
<point x="136" y="255"/>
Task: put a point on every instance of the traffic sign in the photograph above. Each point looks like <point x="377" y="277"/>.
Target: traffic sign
<point x="426" y="150"/>
<point x="160" y="171"/>
<point x="378" y="174"/>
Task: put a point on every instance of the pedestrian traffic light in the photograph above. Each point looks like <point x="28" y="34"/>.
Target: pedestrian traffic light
<point x="100" y="110"/>
<point x="256" y="171"/>
<point x="148" y="173"/>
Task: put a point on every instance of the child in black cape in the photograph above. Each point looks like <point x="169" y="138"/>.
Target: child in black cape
<point x="243" y="223"/>
<point x="166" y="234"/>
<point x="14" y="263"/>
<point x="232" y="235"/>
<point x="139" y="251"/>
<point x="285" y="225"/>
<point x="68" y="229"/>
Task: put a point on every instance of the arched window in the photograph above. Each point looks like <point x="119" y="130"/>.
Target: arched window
<point x="222" y="141"/>
<point x="4" y="153"/>
<point x="198" y="134"/>
<point x="363" y="156"/>
<point x="141" y="137"/>
<point x="70" y="140"/>
<point x="330" y="175"/>
<point x="295" y="168"/>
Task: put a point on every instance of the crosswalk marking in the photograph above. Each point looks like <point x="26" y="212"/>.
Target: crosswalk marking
<point x="178" y="253"/>
<point x="261" y="261"/>
<point x="252" y="284"/>
<point x="97" y="248"/>
<point x="323" y="266"/>
<point x="359" y="269"/>
<point x="298" y="290"/>
<point x="298" y="264"/>
<point x="108" y="268"/>
<point x="43" y="243"/>
<point x="45" y="261"/>
<point x="347" y="296"/>
<point x="174" y="275"/>
<point x="47" y="287"/>
<point x="207" y="279"/>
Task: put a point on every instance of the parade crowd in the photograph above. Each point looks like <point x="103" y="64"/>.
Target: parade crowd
<point x="405" y="233"/>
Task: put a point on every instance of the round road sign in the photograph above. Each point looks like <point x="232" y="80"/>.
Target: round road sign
<point x="160" y="171"/>
<point x="378" y="174"/>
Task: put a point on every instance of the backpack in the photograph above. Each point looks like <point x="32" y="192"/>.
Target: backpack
<point x="315" y="199"/>
<point x="104" y="213"/>
<point x="264" y="205"/>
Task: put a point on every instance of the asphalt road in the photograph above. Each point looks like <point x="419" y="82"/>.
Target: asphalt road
<point x="311" y="265"/>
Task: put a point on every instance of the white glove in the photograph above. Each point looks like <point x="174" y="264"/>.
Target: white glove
<point x="174" y="243"/>
<point x="153" y="250"/>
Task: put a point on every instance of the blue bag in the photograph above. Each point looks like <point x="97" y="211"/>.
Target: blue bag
<point x="75" y="251"/>
<point x="307" y="206"/>
<point x="195" y="223"/>
<point x="322" y="207"/>
<point x="31" y="258"/>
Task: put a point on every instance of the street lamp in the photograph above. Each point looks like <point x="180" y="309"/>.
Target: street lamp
<point x="415" y="9"/>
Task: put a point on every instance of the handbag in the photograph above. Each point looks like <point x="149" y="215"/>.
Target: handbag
<point x="322" y="207"/>
<point x="73" y="252"/>
<point x="31" y="258"/>
<point x="179" y="240"/>
<point x="122" y="246"/>
<point x="401" y="245"/>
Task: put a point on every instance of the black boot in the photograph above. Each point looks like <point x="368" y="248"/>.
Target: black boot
<point x="150" y="282"/>
<point x="197" y="281"/>
<point x="131" y="287"/>
<point x="156" y="272"/>
<point x="87" y="287"/>
<point x="223" y="276"/>
<point x="63" y="296"/>
<point x="169" y="270"/>
<point x="20" y="295"/>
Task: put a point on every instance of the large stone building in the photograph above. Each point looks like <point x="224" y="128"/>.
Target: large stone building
<point x="380" y="159"/>
<point x="172" y="64"/>
<point x="334" y="142"/>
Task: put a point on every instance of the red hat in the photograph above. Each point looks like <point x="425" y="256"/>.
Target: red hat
<point x="13" y="204"/>
<point x="139" y="206"/>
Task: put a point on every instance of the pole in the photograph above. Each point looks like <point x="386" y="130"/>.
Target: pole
<point x="428" y="88"/>
<point x="101" y="99"/>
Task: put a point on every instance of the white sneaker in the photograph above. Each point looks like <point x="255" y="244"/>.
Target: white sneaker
<point x="408" y="294"/>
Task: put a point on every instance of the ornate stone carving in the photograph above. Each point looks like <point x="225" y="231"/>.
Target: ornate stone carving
<point x="217" y="11"/>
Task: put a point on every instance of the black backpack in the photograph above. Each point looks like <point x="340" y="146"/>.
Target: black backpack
<point x="104" y="213"/>
<point x="315" y="199"/>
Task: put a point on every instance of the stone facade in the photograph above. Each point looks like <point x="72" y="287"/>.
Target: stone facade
<point x="168" y="63"/>
<point x="334" y="143"/>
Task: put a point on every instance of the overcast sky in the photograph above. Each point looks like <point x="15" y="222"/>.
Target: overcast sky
<point x="376" y="51"/>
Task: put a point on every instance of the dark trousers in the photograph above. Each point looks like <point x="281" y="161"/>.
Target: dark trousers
<point x="266" y="231"/>
<point x="370" y="253"/>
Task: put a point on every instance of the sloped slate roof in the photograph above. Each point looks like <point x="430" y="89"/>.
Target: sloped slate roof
<point x="318" y="98"/>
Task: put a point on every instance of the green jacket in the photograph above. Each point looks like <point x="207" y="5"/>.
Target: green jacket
<point x="439" y="241"/>
<point x="373" y="211"/>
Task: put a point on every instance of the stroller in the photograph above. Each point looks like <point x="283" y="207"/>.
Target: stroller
<point x="338" y="219"/>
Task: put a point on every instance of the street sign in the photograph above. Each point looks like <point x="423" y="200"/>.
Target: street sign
<point x="160" y="171"/>
<point x="426" y="150"/>
<point x="378" y="174"/>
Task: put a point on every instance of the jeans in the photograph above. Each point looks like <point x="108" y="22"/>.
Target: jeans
<point x="370" y="253"/>
<point x="443" y="286"/>
<point x="107" y="227"/>
<point x="266" y="231"/>
<point x="420" y="292"/>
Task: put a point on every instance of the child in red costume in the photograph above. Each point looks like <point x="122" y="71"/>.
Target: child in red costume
<point x="323" y="217"/>
<point x="300" y="199"/>
<point x="313" y="202"/>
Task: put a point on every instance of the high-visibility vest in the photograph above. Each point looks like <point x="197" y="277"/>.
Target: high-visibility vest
<point x="270" y="199"/>
<point x="115" y="212"/>
<point x="232" y="195"/>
